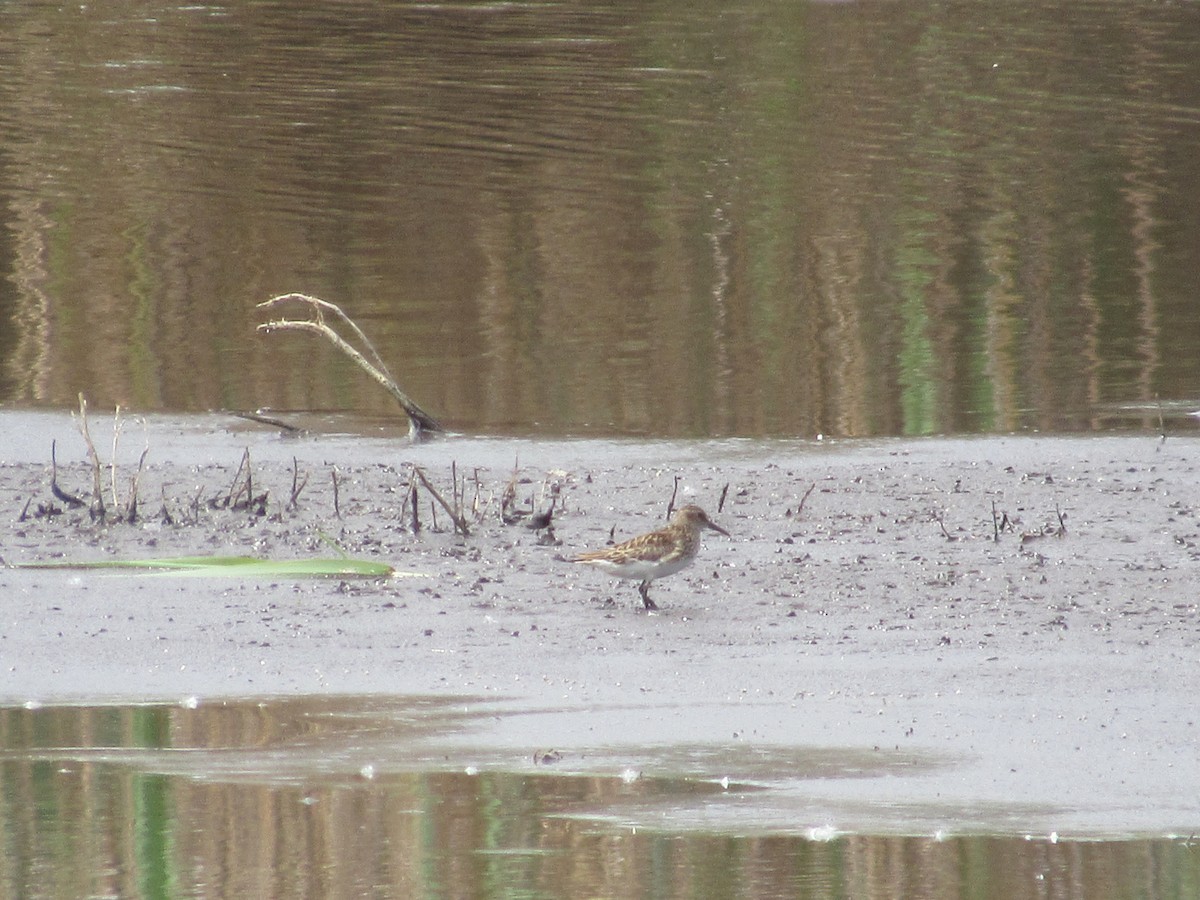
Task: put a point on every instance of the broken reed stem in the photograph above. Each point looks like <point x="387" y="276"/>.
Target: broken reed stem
<point x="412" y="498"/>
<point x="69" y="499"/>
<point x="454" y="495"/>
<point x="298" y="486"/>
<point x="509" y="498"/>
<point x="164" y="513"/>
<point x="460" y="524"/>
<point x="240" y="485"/>
<point x="804" y="499"/>
<point x="131" y="507"/>
<point x="262" y="419"/>
<point x="671" y="503"/>
<point x="419" y="421"/>
<point x="97" y="509"/>
<point x="724" y="494"/>
<point x="939" y="517"/>
<point x="112" y="469"/>
<point x="337" y="504"/>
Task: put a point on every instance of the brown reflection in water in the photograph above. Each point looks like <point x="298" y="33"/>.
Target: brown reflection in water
<point x="271" y="799"/>
<point x="674" y="219"/>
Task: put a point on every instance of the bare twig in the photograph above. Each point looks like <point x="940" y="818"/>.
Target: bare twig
<point x="97" y="508"/>
<point x="508" y="499"/>
<point x="724" y="494"/>
<point x="460" y="524"/>
<point x="419" y="421"/>
<point x="69" y="499"/>
<point x="671" y="503"/>
<point x="337" y="503"/>
<point x="411" y="498"/>
<point x="804" y="499"/>
<point x="298" y="486"/>
<point x="112" y="469"/>
<point x="241" y="483"/>
<point x="940" y="519"/>
<point x="164" y="513"/>
<point x="263" y="419"/>
<point x="131" y="513"/>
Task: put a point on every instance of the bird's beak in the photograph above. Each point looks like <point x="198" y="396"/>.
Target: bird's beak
<point x="715" y="527"/>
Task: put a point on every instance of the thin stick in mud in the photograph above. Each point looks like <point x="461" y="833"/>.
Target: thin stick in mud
<point x="69" y="499"/>
<point x="96" y="511"/>
<point x="460" y="524"/>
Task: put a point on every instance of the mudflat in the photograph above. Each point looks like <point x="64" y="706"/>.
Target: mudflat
<point x="997" y="633"/>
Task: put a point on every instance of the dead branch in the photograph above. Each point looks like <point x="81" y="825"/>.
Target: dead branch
<point x="240" y="485"/>
<point x="939" y="517"/>
<point x="671" y="502"/>
<point x="460" y="524"/>
<point x="164" y="514"/>
<point x="112" y="469"/>
<point x="411" y="497"/>
<point x="69" y="499"/>
<point x="131" y="507"/>
<point x="804" y="499"/>
<point x="262" y="419"/>
<point x="419" y="421"/>
<point x="508" y="499"/>
<point x="96" y="511"/>
<point x="298" y="486"/>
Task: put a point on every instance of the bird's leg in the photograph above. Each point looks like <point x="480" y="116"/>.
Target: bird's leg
<point x="644" y="590"/>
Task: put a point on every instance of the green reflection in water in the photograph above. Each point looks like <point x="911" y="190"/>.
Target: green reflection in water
<point x="918" y="395"/>
<point x="272" y="799"/>
<point x="675" y="218"/>
<point x="152" y="824"/>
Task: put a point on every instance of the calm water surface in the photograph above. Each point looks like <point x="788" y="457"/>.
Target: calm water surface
<point x="348" y="797"/>
<point x="679" y="218"/>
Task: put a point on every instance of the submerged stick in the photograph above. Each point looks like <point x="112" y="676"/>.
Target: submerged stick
<point x="419" y="421"/>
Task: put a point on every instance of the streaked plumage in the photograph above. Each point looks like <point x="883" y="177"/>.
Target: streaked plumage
<point x="655" y="554"/>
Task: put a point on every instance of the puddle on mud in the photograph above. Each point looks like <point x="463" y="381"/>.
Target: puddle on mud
<point x="344" y="796"/>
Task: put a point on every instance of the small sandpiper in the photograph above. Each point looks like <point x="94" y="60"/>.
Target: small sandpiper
<point x="655" y="554"/>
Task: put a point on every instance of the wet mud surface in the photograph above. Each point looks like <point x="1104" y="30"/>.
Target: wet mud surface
<point x="998" y="634"/>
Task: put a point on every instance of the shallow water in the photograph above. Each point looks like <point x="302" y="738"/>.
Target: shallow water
<point x="681" y="219"/>
<point x="345" y="796"/>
